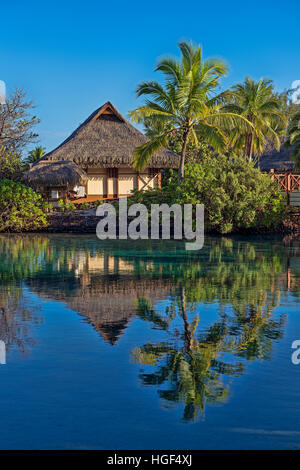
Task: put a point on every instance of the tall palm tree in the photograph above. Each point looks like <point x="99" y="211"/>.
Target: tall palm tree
<point x="34" y="155"/>
<point x="258" y="104"/>
<point x="187" y="103"/>
<point x="294" y="138"/>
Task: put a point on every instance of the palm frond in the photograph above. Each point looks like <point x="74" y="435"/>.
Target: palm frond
<point x="157" y="92"/>
<point x="171" y="68"/>
<point x="230" y="120"/>
<point x="213" y="135"/>
<point x="143" y="153"/>
<point x="213" y="67"/>
<point x="143" y="112"/>
<point x="269" y="132"/>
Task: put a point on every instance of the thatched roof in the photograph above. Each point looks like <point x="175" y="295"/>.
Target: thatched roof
<point x="53" y="174"/>
<point x="278" y="160"/>
<point x="106" y="139"/>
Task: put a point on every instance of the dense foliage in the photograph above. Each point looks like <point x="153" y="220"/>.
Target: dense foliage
<point x="236" y="195"/>
<point x="10" y="164"/>
<point x="21" y="209"/>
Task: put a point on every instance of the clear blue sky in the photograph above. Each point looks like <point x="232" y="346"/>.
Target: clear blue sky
<point x="71" y="57"/>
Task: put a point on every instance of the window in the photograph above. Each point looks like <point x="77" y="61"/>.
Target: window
<point x="54" y="194"/>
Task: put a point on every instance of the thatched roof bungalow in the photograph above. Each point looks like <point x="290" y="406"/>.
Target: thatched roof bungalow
<point x="53" y="174"/>
<point x="97" y="159"/>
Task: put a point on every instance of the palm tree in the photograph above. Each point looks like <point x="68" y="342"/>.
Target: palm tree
<point x="187" y="104"/>
<point x="294" y="137"/>
<point x="34" y="155"/>
<point x="256" y="102"/>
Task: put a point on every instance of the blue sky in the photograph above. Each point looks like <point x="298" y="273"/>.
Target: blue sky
<point x="71" y="57"/>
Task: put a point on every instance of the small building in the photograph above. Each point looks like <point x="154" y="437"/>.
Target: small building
<point x="96" y="161"/>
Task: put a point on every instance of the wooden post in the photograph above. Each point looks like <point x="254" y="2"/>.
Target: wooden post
<point x="272" y="172"/>
<point x="117" y="183"/>
<point x="108" y="179"/>
<point x="137" y="181"/>
<point x="288" y="188"/>
<point x="159" y="179"/>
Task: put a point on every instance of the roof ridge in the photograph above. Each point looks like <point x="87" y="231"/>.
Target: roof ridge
<point x="92" y="117"/>
<point x="110" y="143"/>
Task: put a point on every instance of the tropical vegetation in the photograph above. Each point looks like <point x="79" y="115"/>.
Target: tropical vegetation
<point x="219" y="135"/>
<point x="257" y="102"/>
<point x="235" y="194"/>
<point x="187" y="104"/>
<point x="34" y="155"/>
<point x="21" y="209"/>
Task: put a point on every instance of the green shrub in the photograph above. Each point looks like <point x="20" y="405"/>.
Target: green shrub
<point x="10" y="164"/>
<point x="83" y="206"/>
<point x="236" y="196"/>
<point x="66" y="206"/>
<point x="21" y="209"/>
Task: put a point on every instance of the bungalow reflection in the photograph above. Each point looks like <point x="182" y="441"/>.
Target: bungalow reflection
<point x="112" y="283"/>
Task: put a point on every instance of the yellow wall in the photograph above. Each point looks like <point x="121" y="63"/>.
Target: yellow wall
<point x="99" y="184"/>
<point x="96" y="185"/>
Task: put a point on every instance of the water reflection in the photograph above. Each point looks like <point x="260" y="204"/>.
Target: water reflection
<point x="189" y="367"/>
<point x="110" y="284"/>
<point x="15" y="321"/>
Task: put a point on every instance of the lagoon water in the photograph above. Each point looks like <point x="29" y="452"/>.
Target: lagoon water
<point x="143" y="345"/>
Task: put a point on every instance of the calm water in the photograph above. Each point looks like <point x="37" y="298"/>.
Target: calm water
<point x="144" y="345"/>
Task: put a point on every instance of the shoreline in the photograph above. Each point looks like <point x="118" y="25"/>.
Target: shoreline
<point x="75" y="223"/>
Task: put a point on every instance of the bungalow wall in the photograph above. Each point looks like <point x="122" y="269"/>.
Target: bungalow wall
<point x="110" y="183"/>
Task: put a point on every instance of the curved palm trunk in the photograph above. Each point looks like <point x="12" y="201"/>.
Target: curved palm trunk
<point x="182" y="157"/>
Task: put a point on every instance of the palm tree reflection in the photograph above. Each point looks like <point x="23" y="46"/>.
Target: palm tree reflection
<point x="191" y="368"/>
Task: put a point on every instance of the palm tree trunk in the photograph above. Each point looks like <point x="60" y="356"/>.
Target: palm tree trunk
<point x="248" y="149"/>
<point x="251" y="138"/>
<point x="182" y="157"/>
<point x="187" y="328"/>
<point x="249" y="141"/>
